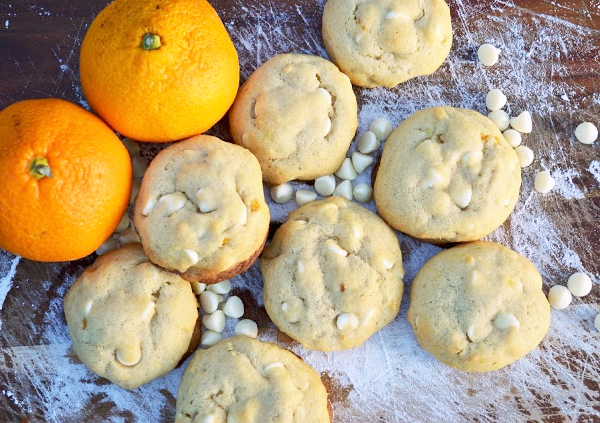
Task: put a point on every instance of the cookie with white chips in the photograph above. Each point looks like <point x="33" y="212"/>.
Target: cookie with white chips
<point x="386" y="42"/>
<point x="332" y="275"/>
<point x="447" y="175"/>
<point x="245" y="380"/>
<point x="201" y="209"/>
<point x="131" y="321"/>
<point x="478" y="306"/>
<point x="298" y="114"/>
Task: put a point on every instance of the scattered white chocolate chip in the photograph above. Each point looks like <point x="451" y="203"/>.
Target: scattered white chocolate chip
<point x="525" y="155"/>
<point x="139" y="165"/>
<point x="344" y="189"/>
<point x="135" y="188"/>
<point x="88" y="307"/>
<point x="346" y="170"/>
<point x="300" y="267"/>
<point x="149" y="310"/>
<point x="283" y="193"/>
<point x="234" y="307"/>
<point x="544" y="182"/>
<point x="500" y="119"/>
<point x="559" y="297"/>
<point x="133" y="147"/>
<point x="210" y="418"/>
<point x="148" y="207"/>
<point x="471" y="333"/>
<point x="513" y="137"/>
<point x="173" y="202"/>
<point x="362" y="193"/>
<point x="333" y="247"/>
<point x="387" y="264"/>
<point x="522" y="123"/>
<point x="198" y="287"/>
<point x="597" y="322"/>
<point x="586" y="133"/>
<point x="123" y="223"/>
<point x="326" y="127"/>
<point x="325" y="185"/>
<point x="190" y="257"/>
<point x="246" y="327"/>
<point x="128" y="236"/>
<point x="272" y="366"/>
<point x="504" y="321"/>
<point x="488" y="55"/>
<point x="214" y="321"/>
<point x="304" y="196"/>
<point x="347" y="321"/>
<point x="433" y="178"/>
<point x="382" y="128"/>
<point x="368" y="142"/>
<point x="205" y="201"/>
<point x="209" y="301"/>
<point x="495" y="100"/>
<point x="108" y="245"/>
<point x="324" y="93"/>
<point x="361" y="161"/>
<point x="210" y="338"/>
<point x="579" y="284"/>
<point x="129" y="356"/>
<point x="472" y="158"/>
<point x="222" y="287"/>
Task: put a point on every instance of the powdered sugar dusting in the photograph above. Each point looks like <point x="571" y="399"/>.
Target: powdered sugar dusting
<point x="8" y="269"/>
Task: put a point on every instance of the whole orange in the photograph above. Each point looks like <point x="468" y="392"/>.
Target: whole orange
<point x="159" y="70"/>
<point x="65" y="180"/>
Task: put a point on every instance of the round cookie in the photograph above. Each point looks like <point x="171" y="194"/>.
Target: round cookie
<point x="386" y="42"/>
<point x="447" y="175"/>
<point x="297" y="113"/>
<point x="478" y="307"/>
<point x="201" y="209"/>
<point x="332" y="275"/>
<point x="130" y="320"/>
<point x="245" y="380"/>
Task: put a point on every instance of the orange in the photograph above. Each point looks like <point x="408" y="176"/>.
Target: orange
<point x="65" y="180"/>
<point x="159" y="70"/>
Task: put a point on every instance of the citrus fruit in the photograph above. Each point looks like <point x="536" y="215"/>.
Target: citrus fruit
<point x="159" y="70"/>
<point x="65" y="180"/>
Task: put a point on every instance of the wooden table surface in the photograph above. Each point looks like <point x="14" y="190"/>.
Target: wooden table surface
<point x="550" y="65"/>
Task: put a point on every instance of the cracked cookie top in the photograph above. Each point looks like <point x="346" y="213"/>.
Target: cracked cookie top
<point x="332" y="275"/>
<point x="245" y="380"/>
<point x="130" y="320"/>
<point x="478" y="307"/>
<point x="201" y="209"/>
<point x="447" y="175"/>
<point x="386" y="42"/>
<point x="297" y="113"/>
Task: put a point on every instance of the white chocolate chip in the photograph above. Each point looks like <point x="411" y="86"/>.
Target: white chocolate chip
<point x="472" y="158"/>
<point x="210" y="418"/>
<point x="148" y="207"/>
<point x="273" y="366"/>
<point x="503" y="321"/>
<point x="209" y="301"/>
<point x="344" y="189"/>
<point x="513" y="137"/>
<point x="123" y="224"/>
<point x="326" y="127"/>
<point x="382" y="128"/>
<point x="579" y="284"/>
<point x="198" y="287"/>
<point x="361" y="161"/>
<point x="488" y="55"/>
<point x="128" y="236"/>
<point x="325" y="185"/>
<point x="544" y="182"/>
<point x="362" y="193"/>
<point x="205" y="200"/>
<point x="129" y="356"/>
<point x="347" y="321"/>
<point x="285" y="307"/>
<point x="210" y="338"/>
<point x="222" y="287"/>
<point x="149" y="310"/>
<point x="495" y="100"/>
<point x="346" y="170"/>
<point x="525" y="155"/>
<point x="461" y="196"/>
<point x="368" y="142"/>
<point x="108" y="245"/>
<point x="246" y="327"/>
<point x="387" y="264"/>
<point x="234" y="307"/>
<point x="597" y="322"/>
<point x="522" y="123"/>
<point x="139" y="165"/>
<point x="190" y="257"/>
<point x="586" y="133"/>
<point x="394" y="15"/>
<point x="304" y="196"/>
<point x="88" y="307"/>
<point x="433" y="178"/>
<point x="300" y="267"/>
<point x="471" y="333"/>
<point x="135" y="188"/>
<point x="333" y="247"/>
<point x="559" y="297"/>
<point x="500" y="119"/>
<point x="324" y="93"/>
<point x="368" y="316"/>
<point x="173" y="202"/>
<point x="214" y="321"/>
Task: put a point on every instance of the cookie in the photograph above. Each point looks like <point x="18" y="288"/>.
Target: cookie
<point x="245" y="380"/>
<point x="201" y="209"/>
<point x="297" y="113"/>
<point x="332" y="275"/>
<point x="386" y="42"/>
<point x="130" y="320"/>
<point x="447" y="175"/>
<point x="478" y="307"/>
